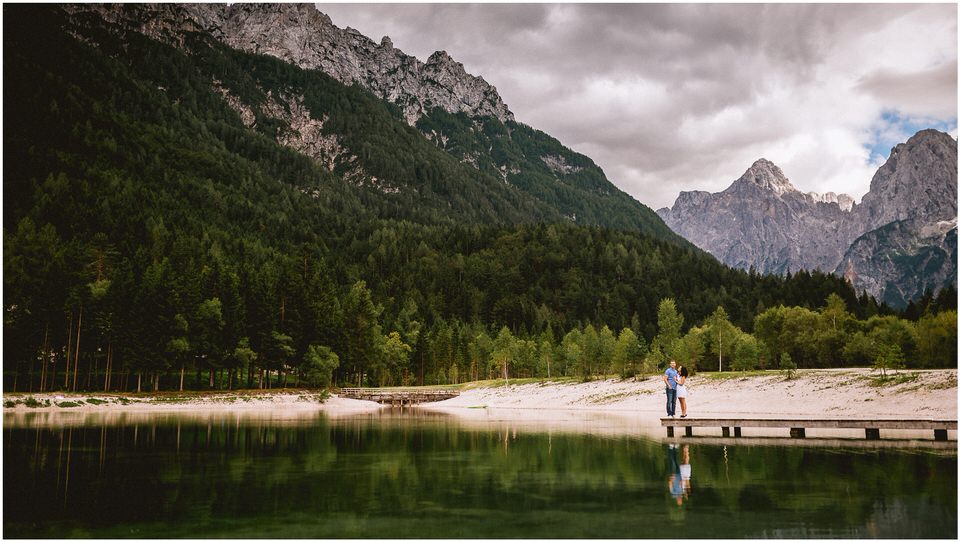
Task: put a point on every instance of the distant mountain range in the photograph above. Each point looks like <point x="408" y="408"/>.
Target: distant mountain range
<point x="900" y="240"/>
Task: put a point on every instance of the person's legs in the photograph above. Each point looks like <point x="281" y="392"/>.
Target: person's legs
<point x="683" y="405"/>
<point x="671" y="402"/>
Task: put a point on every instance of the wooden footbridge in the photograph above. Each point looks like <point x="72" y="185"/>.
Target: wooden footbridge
<point x="400" y="396"/>
<point x="798" y="427"/>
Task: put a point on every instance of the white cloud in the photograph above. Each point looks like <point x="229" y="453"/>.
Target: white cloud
<point x="686" y="97"/>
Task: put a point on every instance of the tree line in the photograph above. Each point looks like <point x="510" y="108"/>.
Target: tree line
<point x="79" y="315"/>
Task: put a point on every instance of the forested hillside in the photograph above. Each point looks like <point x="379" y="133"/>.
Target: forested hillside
<point x="541" y="166"/>
<point x="155" y="234"/>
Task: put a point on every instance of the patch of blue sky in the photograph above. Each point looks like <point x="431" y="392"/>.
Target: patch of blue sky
<point x="893" y="128"/>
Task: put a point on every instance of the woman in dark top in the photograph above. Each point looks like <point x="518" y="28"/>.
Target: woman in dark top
<point x="682" y="391"/>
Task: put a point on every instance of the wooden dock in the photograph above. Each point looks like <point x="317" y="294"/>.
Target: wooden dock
<point x="400" y="396"/>
<point x="798" y="427"/>
<point x="886" y="443"/>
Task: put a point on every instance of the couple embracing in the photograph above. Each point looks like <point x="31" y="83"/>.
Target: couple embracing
<point x="676" y="389"/>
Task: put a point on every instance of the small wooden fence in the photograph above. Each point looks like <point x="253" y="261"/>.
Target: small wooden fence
<point x="798" y="426"/>
<point x="400" y="396"/>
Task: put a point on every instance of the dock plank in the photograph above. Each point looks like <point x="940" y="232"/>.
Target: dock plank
<point x="810" y="423"/>
<point x="890" y="443"/>
<point x="798" y="426"/>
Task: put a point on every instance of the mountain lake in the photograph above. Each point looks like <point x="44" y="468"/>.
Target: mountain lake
<point x="415" y="474"/>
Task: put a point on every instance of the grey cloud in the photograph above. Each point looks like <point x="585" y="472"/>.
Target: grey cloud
<point x="584" y="73"/>
<point x="932" y="91"/>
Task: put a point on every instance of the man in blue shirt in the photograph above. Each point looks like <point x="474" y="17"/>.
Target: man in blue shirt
<point x="670" y="379"/>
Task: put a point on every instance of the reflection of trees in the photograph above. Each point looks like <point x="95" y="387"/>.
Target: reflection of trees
<point x="436" y="478"/>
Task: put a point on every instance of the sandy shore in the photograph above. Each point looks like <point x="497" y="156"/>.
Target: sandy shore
<point x="241" y="401"/>
<point x="852" y="393"/>
<point x="824" y="393"/>
<point x="615" y="408"/>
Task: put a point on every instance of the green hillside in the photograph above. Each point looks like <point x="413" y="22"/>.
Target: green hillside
<point x="543" y="168"/>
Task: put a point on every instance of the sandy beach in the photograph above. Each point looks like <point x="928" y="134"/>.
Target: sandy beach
<point x="822" y="393"/>
<point x="616" y="407"/>
<point x="290" y="400"/>
<point x="827" y="393"/>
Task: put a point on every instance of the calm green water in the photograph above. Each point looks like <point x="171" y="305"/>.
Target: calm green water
<point x="398" y="477"/>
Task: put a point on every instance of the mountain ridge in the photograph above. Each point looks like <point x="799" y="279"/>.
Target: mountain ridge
<point x="459" y="113"/>
<point x="302" y="35"/>
<point x="780" y="229"/>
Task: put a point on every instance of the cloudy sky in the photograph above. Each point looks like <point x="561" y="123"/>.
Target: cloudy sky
<point x="685" y="97"/>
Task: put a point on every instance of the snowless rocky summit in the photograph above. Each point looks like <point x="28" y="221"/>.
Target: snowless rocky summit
<point x="302" y="35"/>
<point x="918" y="181"/>
<point x="898" y="241"/>
<point x="763" y="221"/>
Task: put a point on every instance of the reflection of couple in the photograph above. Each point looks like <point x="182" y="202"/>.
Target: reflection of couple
<point x="679" y="481"/>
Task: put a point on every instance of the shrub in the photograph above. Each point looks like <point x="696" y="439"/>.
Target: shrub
<point x="787" y="365"/>
<point x="888" y="356"/>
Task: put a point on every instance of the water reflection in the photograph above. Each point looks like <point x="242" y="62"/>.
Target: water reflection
<point x="679" y="480"/>
<point x="390" y="476"/>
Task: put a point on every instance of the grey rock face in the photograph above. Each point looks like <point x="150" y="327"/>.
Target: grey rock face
<point x="894" y="244"/>
<point x="763" y="221"/>
<point x="909" y="219"/>
<point x="918" y="180"/>
<point x="843" y="200"/>
<point x="301" y="35"/>
<point x="559" y="165"/>
<point x="902" y="259"/>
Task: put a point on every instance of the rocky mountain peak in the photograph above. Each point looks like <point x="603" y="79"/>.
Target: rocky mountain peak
<point x="766" y="175"/>
<point x="306" y="37"/>
<point x="930" y="135"/>
<point x="919" y="179"/>
<point x="440" y="57"/>
<point x="441" y="64"/>
<point x="900" y="240"/>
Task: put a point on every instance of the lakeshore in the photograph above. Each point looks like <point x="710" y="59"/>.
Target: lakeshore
<point x="814" y="392"/>
<point x="511" y="454"/>
<point x="284" y="400"/>
<point x="928" y="394"/>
